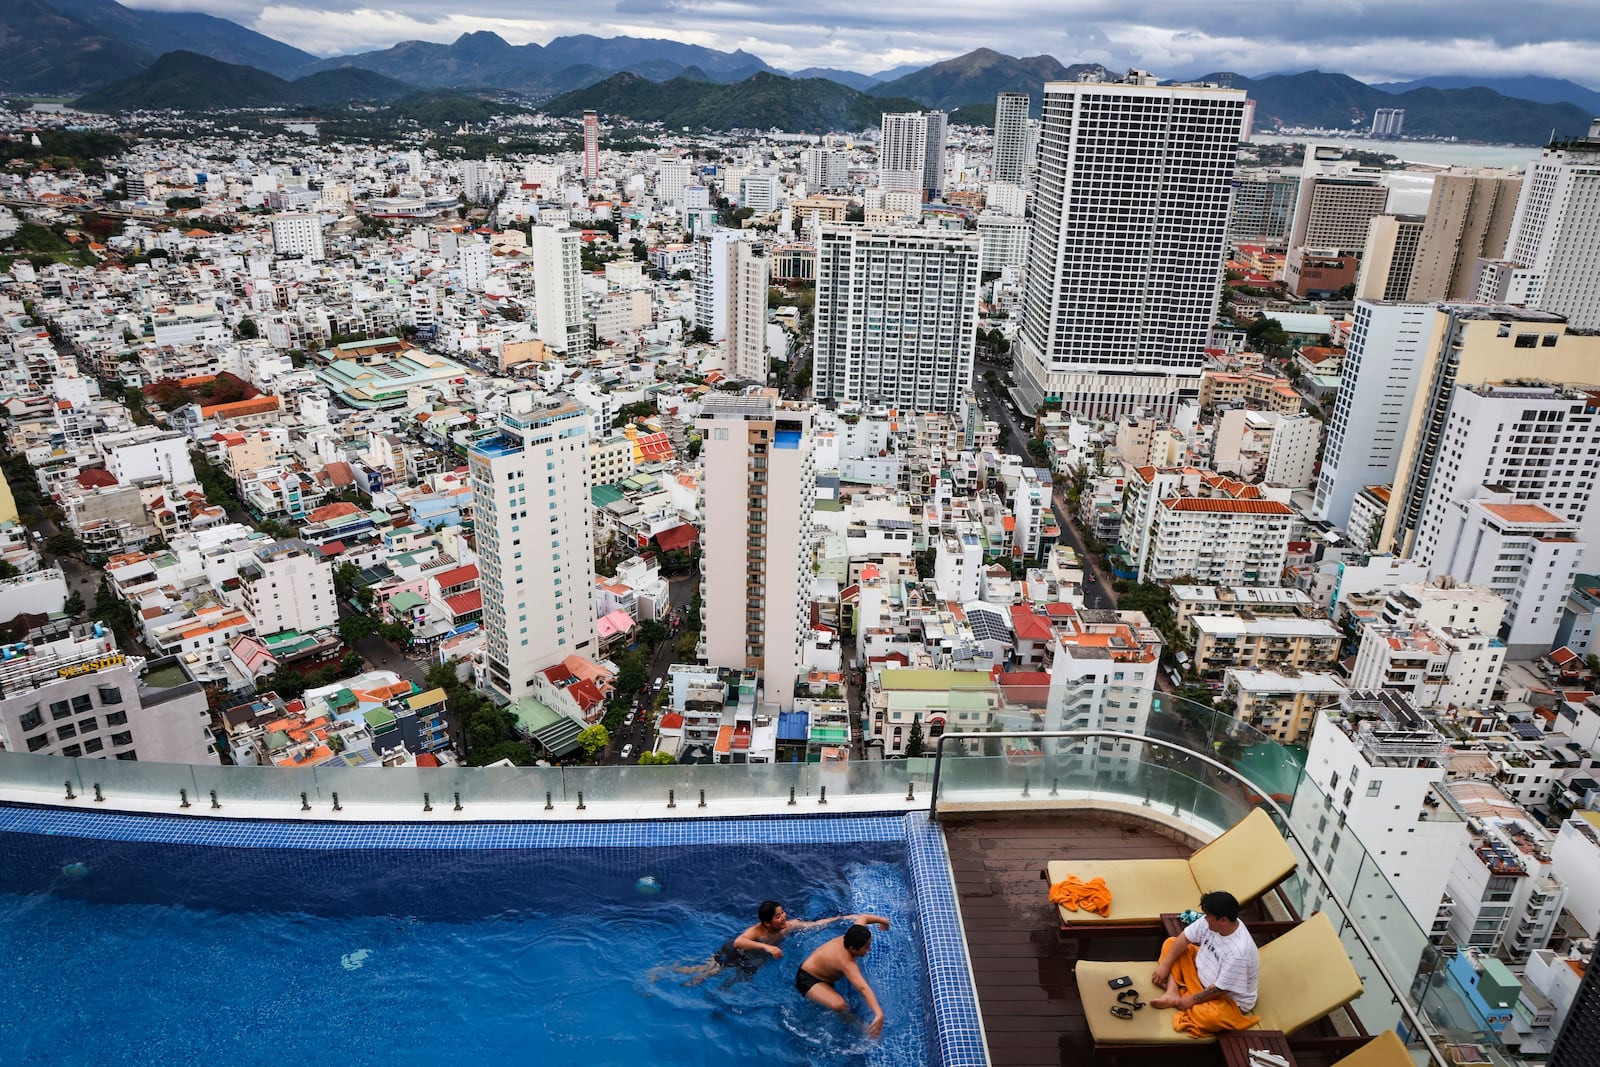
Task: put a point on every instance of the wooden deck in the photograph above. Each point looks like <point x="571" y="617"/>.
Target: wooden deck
<point x="1026" y="990"/>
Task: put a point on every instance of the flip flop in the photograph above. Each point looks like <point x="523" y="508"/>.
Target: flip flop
<point x="1121" y="1012"/>
<point x="1130" y="997"/>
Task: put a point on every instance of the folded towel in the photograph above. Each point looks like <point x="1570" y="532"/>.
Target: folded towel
<point x="1074" y="895"/>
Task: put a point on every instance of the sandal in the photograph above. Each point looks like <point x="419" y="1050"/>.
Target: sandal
<point x="1121" y="1012"/>
<point x="1130" y="997"/>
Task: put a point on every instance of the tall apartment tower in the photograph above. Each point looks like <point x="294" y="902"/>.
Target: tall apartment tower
<point x="1389" y="258"/>
<point x="747" y="311"/>
<point x="1388" y="121"/>
<point x="911" y="152"/>
<point x="671" y="180"/>
<point x="933" y="158"/>
<point x="757" y="495"/>
<point x="896" y="311"/>
<point x="476" y="176"/>
<point x="1263" y="208"/>
<point x="1468" y="218"/>
<point x="827" y="169"/>
<point x="711" y="259"/>
<point x="298" y="234"/>
<point x="591" y="146"/>
<point x="1129" y="230"/>
<point x="1010" y="138"/>
<point x="1333" y="211"/>
<point x="558" y="289"/>
<point x="530" y="486"/>
<point x="1555" y="238"/>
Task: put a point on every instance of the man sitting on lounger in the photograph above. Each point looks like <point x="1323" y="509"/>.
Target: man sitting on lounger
<point x="1210" y="971"/>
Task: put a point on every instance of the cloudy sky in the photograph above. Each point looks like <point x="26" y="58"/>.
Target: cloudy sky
<point x="1371" y="39"/>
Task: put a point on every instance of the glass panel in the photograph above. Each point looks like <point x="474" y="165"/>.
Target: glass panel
<point x="138" y="783"/>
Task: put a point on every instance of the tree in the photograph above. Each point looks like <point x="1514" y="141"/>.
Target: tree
<point x="517" y="752"/>
<point x="657" y="759"/>
<point x="1267" y="335"/>
<point x="74" y="605"/>
<point x="397" y="632"/>
<point x="9" y="570"/>
<point x="593" y="738"/>
<point x="346" y="579"/>
<point x="351" y="663"/>
<point x="652" y="633"/>
<point x="914" y="742"/>
<point x="700" y="335"/>
<point x="63" y="544"/>
<point x="632" y="673"/>
<point x="247" y="329"/>
<point x="1037" y="448"/>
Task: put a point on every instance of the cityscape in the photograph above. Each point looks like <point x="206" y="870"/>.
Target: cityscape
<point x="679" y="456"/>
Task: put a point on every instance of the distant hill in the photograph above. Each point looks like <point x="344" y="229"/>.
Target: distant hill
<point x="765" y="101"/>
<point x="1540" y="90"/>
<point x="978" y="77"/>
<point x="858" y="82"/>
<point x="158" y="32"/>
<point x="1337" y="101"/>
<point x="49" y="52"/>
<point x="186" y="81"/>
<point x="485" y="59"/>
<point x="897" y="72"/>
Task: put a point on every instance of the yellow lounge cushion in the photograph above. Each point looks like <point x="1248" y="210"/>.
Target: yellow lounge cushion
<point x="1385" y="1050"/>
<point x="1140" y="889"/>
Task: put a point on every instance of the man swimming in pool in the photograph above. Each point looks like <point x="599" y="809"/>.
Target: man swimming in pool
<point x="838" y="959"/>
<point x="759" y="943"/>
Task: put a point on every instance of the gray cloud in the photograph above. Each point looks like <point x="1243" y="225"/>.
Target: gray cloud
<point x="1377" y="39"/>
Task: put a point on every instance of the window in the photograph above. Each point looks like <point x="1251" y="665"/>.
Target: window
<point x="124" y="738"/>
<point x="66" y="730"/>
<point x="72" y="750"/>
<point x="60" y="709"/>
<point x="128" y="755"/>
<point x="1374" y="787"/>
<point x="38" y="741"/>
<point x="88" y="726"/>
<point x="117" y="718"/>
<point x="81" y="702"/>
<point x="93" y="744"/>
<point x="31" y="720"/>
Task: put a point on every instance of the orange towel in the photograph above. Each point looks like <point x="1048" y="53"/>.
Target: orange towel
<point x="1089" y="896"/>
<point x="1207" y="1017"/>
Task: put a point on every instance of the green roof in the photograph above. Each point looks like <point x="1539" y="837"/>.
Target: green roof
<point x="828" y="504"/>
<point x="378" y="718"/>
<point x="557" y="733"/>
<point x="341" y="698"/>
<point x="406" y="601"/>
<point x="930" y="679"/>
<point x="829" y="733"/>
<point x="601" y="495"/>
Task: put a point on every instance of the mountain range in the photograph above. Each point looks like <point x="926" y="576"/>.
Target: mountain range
<point x="74" y="46"/>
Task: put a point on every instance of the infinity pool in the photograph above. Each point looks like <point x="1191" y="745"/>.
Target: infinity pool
<point x="149" y="952"/>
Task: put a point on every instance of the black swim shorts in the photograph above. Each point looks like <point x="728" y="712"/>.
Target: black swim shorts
<point x="730" y="955"/>
<point x="804" y="980"/>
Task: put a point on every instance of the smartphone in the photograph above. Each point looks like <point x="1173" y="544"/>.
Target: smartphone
<point x="1120" y="983"/>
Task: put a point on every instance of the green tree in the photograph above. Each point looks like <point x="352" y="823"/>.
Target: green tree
<point x="63" y="544"/>
<point x="593" y="738"/>
<point x="914" y="741"/>
<point x="517" y="752"/>
<point x="652" y="633"/>
<point x="351" y="663"/>
<point x="700" y="335"/>
<point x="346" y="579"/>
<point x="247" y="329"/>
<point x="1037" y="448"/>
<point x="657" y="759"/>
<point x="9" y="570"/>
<point x="74" y="606"/>
<point x="632" y="673"/>
<point x="397" y="632"/>
<point x="1267" y="335"/>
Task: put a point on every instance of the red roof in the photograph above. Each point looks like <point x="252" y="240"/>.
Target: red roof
<point x="333" y="548"/>
<point x="457" y="576"/>
<point x="95" y="478"/>
<point x="1029" y="627"/>
<point x="465" y="603"/>
<point x="671" y="721"/>
<point x="428" y="759"/>
<point x="682" y="536"/>
<point x="337" y="510"/>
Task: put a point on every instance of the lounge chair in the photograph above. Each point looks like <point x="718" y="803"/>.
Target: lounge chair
<point x="1305" y="974"/>
<point x="1385" y="1050"/>
<point x="1247" y="860"/>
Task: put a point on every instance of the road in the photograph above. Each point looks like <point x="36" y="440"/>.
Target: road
<point x="1098" y="589"/>
<point x="681" y="589"/>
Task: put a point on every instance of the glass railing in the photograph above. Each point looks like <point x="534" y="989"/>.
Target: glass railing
<point x="1404" y="975"/>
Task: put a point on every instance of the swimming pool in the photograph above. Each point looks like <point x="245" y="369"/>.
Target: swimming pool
<point x="155" y="940"/>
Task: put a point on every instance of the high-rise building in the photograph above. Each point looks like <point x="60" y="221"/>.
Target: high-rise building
<point x="827" y="170"/>
<point x="711" y="259"/>
<point x="558" y="289"/>
<point x="474" y="261"/>
<point x="896" y="310"/>
<point x="1333" y="210"/>
<point x="1129" y="230"/>
<point x="671" y="180"/>
<point x="1010" y="138"/>
<point x="591" y="146"/>
<point x="1263" y="208"/>
<point x="911" y="152"/>
<point x="1389" y="258"/>
<point x="476" y="176"/>
<point x="933" y="158"/>
<point x="747" y="311"/>
<point x="530" y="487"/>
<point x="1388" y="121"/>
<point x="761" y="191"/>
<point x="903" y="150"/>
<point x="757" y="496"/>
<point x="1468" y="218"/>
<point x="1004" y="239"/>
<point x="298" y="234"/>
<point x="288" y="586"/>
<point x="1555" y="239"/>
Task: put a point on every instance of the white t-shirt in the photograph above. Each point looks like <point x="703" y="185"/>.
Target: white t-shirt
<point x="1230" y="963"/>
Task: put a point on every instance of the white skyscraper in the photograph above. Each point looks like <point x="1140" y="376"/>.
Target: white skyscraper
<point x="896" y="311"/>
<point x="903" y="150"/>
<point x="747" y="311"/>
<point x="671" y="181"/>
<point x="1555" y="238"/>
<point x="1130" y="226"/>
<point x="757" y="496"/>
<point x="473" y="262"/>
<point x="711" y="258"/>
<point x="298" y="235"/>
<point x="826" y="169"/>
<point x="558" y="289"/>
<point x="1389" y="344"/>
<point x="1010" y="138"/>
<point x="476" y="178"/>
<point x="530" y="485"/>
<point x="933" y="157"/>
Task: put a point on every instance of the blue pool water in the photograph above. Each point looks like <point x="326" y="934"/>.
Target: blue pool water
<point x="147" y="953"/>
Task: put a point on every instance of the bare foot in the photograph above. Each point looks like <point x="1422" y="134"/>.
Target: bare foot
<point x="1164" y="1002"/>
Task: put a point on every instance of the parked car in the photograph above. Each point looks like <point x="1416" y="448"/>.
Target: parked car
<point x="627" y="751"/>
<point x="629" y="720"/>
